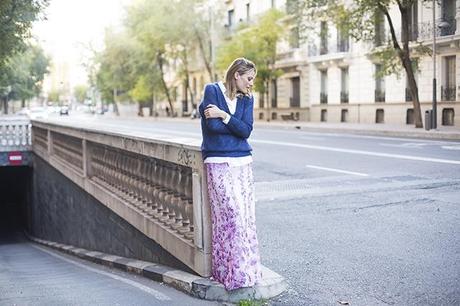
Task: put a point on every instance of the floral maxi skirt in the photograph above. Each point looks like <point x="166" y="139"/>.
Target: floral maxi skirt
<point x="235" y="251"/>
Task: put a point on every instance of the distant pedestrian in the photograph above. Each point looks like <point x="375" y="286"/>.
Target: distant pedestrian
<point x="226" y="123"/>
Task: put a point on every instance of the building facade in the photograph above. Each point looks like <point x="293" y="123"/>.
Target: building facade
<point x="331" y="78"/>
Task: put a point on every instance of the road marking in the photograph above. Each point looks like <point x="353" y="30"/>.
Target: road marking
<point x="158" y="295"/>
<point x="337" y="170"/>
<point x="451" y="147"/>
<point x="370" y="153"/>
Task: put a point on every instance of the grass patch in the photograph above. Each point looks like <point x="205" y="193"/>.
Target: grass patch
<point x="253" y="303"/>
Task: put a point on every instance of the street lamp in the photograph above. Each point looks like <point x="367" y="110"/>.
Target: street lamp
<point x="441" y="25"/>
<point x="433" y="111"/>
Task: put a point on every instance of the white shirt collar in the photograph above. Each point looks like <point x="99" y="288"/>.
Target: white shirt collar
<point x="222" y="87"/>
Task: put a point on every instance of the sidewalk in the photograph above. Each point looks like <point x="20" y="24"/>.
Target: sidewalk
<point x="443" y="132"/>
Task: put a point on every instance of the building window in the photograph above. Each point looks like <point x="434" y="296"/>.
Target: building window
<point x="413" y="22"/>
<point x="323" y="36"/>
<point x="379" y="28"/>
<point x="344" y="84"/>
<point x="342" y="40"/>
<point x="448" y="11"/>
<point x="274" y="93"/>
<point x="323" y="93"/>
<point x="410" y="116"/>
<point x="448" y="115"/>
<point x="379" y="84"/>
<point x="295" y="98"/>
<point x="248" y="12"/>
<point x="379" y="116"/>
<point x="344" y="115"/>
<point x="448" y="90"/>
<point x="323" y="115"/>
<point x="231" y="19"/>
<point x="294" y="38"/>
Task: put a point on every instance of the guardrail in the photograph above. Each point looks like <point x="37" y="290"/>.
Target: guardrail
<point x="15" y="134"/>
<point x="157" y="185"/>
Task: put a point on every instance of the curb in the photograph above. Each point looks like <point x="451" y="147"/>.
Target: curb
<point x="271" y="285"/>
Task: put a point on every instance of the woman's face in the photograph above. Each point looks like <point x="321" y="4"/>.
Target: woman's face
<point x="244" y="82"/>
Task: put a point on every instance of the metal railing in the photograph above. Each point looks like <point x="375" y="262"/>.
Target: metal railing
<point x="448" y="93"/>
<point x="343" y="97"/>
<point x="379" y="95"/>
<point x="339" y="47"/>
<point x="156" y="185"/>
<point x="323" y="98"/>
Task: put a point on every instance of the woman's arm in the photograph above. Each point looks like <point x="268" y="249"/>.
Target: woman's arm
<point x="213" y="124"/>
<point x="243" y="128"/>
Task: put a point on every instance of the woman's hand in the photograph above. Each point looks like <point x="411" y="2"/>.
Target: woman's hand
<point x="213" y="111"/>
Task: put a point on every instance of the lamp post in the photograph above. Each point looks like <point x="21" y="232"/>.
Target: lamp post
<point x="433" y="111"/>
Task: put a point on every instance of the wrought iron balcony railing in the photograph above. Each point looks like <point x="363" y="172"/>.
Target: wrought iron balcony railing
<point x="343" y="97"/>
<point x="323" y="98"/>
<point x="379" y="95"/>
<point x="448" y="93"/>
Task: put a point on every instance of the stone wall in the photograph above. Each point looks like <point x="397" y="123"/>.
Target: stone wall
<point x="61" y="211"/>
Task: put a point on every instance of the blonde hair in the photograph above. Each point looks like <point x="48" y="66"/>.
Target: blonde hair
<point x="240" y="65"/>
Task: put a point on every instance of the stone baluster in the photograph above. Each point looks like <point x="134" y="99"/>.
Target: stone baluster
<point x="187" y="208"/>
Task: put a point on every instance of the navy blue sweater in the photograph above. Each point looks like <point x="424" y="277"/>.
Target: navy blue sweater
<point x="226" y="140"/>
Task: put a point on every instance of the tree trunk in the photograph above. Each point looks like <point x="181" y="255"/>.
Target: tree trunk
<point x="163" y="82"/>
<point x="5" y="106"/>
<point x="23" y="103"/>
<point x="404" y="56"/>
<point x="151" y="106"/>
<point x="115" y="106"/>
<point x="203" y="55"/>
<point x="140" y="111"/>
<point x="187" y="79"/>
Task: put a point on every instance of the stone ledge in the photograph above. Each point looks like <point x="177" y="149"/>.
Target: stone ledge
<point x="270" y="286"/>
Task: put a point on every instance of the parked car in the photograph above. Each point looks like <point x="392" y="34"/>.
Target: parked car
<point x="64" y="110"/>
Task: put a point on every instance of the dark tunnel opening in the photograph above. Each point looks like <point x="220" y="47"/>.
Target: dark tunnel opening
<point x="14" y="196"/>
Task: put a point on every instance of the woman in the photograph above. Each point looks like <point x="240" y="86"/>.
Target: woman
<point x="226" y="124"/>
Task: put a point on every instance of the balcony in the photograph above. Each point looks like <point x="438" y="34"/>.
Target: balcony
<point x="323" y="98"/>
<point x="448" y="93"/>
<point x="424" y="31"/>
<point x="343" y="97"/>
<point x="379" y="95"/>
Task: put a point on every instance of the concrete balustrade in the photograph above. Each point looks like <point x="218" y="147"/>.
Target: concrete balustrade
<point x="157" y="185"/>
<point x="15" y="134"/>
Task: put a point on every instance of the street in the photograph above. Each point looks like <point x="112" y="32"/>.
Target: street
<point x="363" y="220"/>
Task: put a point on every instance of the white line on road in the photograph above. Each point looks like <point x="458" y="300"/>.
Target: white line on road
<point x="370" y="153"/>
<point x="337" y="170"/>
<point x="158" y="295"/>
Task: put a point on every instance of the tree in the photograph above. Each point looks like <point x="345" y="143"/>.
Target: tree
<point x="171" y="32"/>
<point x="257" y="43"/>
<point x="80" y="93"/>
<point x="23" y="75"/>
<point x="16" y="18"/>
<point x="359" y="19"/>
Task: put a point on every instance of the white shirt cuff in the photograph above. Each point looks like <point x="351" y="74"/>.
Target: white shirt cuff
<point x="227" y="119"/>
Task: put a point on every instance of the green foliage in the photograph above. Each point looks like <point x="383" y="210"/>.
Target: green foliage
<point x="252" y="303"/>
<point x="80" y="93"/>
<point x="53" y="95"/>
<point x="16" y="18"/>
<point x="257" y="43"/>
<point x="143" y="90"/>
<point x="23" y="73"/>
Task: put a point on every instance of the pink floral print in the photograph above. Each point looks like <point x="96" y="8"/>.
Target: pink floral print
<point x="235" y="250"/>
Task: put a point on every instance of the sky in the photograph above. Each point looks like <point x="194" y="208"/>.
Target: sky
<point x="72" y="24"/>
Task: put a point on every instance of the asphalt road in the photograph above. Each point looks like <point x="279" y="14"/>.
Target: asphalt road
<point x="348" y="219"/>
